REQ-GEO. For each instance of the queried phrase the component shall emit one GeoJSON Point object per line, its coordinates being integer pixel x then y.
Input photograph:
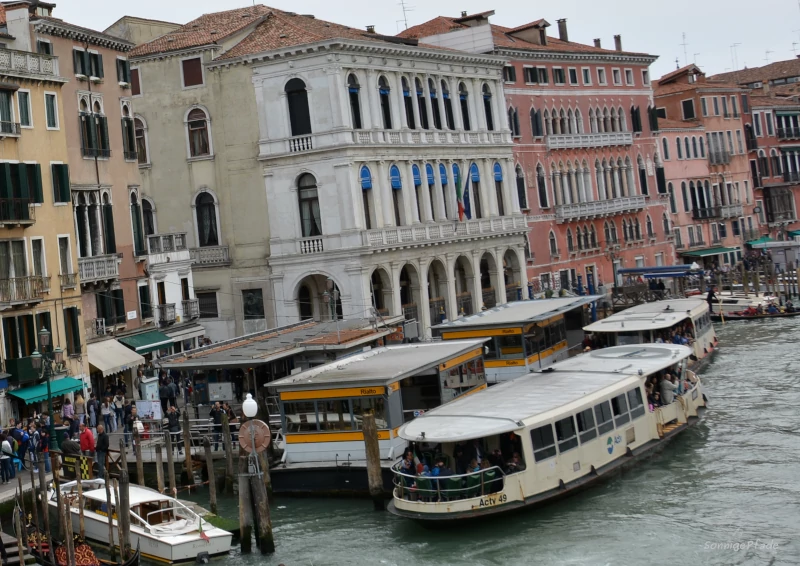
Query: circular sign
{"type": "Point", "coordinates": [254, 434]}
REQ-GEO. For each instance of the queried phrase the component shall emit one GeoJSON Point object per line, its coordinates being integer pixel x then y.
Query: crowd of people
{"type": "Point", "coordinates": [663, 387]}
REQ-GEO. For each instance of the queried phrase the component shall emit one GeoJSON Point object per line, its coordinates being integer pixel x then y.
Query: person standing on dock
{"type": "Point", "coordinates": [87, 440]}
{"type": "Point", "coordinates": [711, 298]}
{"type": "Point", "coordinates": [163, 394]}
{"type": "Point", "coordinates": [216, 416]}
{"type": "Point", "coordinates": [174, 428]}
{"type": "Point", "coordinates": [101, 449]}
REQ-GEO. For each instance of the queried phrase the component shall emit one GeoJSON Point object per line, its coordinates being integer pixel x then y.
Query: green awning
{"type": "Point", "coordinates": [761, 240]}
{"type": "Point", "coordinates": [787, 112]}
{"type": "Point", "coordinates": [708, 252]}
{"type": "Point", "coordinates": [38, 393]}
{"type": "Point", "coordinates": [147, 341]}
{"type": "Point", "coordinates": [792, 233]}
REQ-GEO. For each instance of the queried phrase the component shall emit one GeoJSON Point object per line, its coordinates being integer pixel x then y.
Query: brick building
{"type": "Point", "coordinates": [587, 166]}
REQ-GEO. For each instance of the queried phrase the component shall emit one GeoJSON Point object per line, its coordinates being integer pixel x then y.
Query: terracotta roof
{"type": "Point", "coordinates": [205, 30]}
{"type": "Point", "coordinates": [659, 90]}
{"type": "Point", "coordinates": [538, 23]}
{"type": "Point", "coordinates": [676, 73]}
{"type": "Point", "coordinates": [777, 70]}
{"type": "Point", "coordinates": [664, 124]}
{"type": "Point", "coordinates": [772, 102]}
{"type": "Point", "coordinates": [436, 26]}
{"type": "Point", "coordinates": [79, 29]}
{"type": "Point", "coordinates": [2, 15]}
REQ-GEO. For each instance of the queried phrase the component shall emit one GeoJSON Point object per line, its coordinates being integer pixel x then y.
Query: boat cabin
{"type": "Point", "coordinates": [656, 322]}
{"type": "Point", "coordinates": [524, 336]}
{"type": "Point", "coordinates": [322, 408]}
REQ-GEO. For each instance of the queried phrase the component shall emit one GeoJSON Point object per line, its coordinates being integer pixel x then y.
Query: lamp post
{"type": "Point", "coordinates": [250, 410]}
{"type": "Point", "coordinates": [44, 361]}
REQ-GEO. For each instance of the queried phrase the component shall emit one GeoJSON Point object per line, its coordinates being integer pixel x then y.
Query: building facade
{"type": "Point", "coordinates": [704, 144]}
{"type": "Point", "coordinates": [586, 164]}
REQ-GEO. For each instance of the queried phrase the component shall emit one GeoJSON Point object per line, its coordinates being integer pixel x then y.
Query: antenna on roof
{"type": "Point", "coordinates": [766, 58]}
{"type": "Point", "coordinates": [406, 8]}
{"type": "Point", "coordinates": [685, 52]}
{"type": "Point", "coordinates": [794, 48]}
{"type": "Point", "coordinates": [677, 63]}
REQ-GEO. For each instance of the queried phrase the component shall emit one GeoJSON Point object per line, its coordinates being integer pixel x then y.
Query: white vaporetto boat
{"type": "Point", "coordinates": [165, 529]}
{"type": "Point", "coordinates": [546, 435]}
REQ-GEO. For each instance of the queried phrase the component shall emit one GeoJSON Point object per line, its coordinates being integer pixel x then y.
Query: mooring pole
{"type": "Point", "coordinates": [187, 444]}
{"type": "Point", "coordinates": [137, 451]}
{"type": "Point", "coordinates": [70, 543]}
{"type": "Point", "coordinates": [46, 508]}
{"type": "Point", "coordinates": [266, 541]}
{"type": "Point", "coordinates": [79, 483]}
{"type": "Point", "coordinates": [373, 452]}
{"type": "Point", "coordinates": [160, 466]}
{"type": "Point", "coordinates": [170, 466]}
{"type": "Point", "coordinates": [110, 511]}
{"type": "Point", "coordinates": [245, 514]}
{"type": "Point", "coordinates": [212, 484]}
{"type": "Point", "coordinates": [124, 516]}
{"type": "Point", "coordinates": [227, 441]}
{"type": "Point", "coordinates": [22, 504]}
{"type": "Point", "coordinates": [35, 508]}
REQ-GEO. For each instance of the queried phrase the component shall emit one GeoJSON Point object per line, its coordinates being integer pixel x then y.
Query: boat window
{"type": "Point", "coordinates": [602, 413]}
{"type": "Point", "coordinates": [302, 416]}
{"type": "Point", "coordinates": [586, 425]}
{"type": "Point", "coordinates": [534, 340]}
{"type": "Point", "coordinates": [509, 347]}
{"type": "Point", "coordinates": [636, 403]}
{"type": "Point", "coordinates": [620, 406]}
{"type": "Point", "coordinates": [362, 405]}
{"type": "Point", "coordinates": [544, 444]}
{"type": "Point", "coordinates": [565, 433]}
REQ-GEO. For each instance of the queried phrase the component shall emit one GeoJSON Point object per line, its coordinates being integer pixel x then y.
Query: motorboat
{"type": "Point", "coordinates": [162, 527]}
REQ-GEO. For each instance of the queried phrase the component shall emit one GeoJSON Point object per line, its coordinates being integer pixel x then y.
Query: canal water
{"type": "Point", "coordinates": [725, 492]}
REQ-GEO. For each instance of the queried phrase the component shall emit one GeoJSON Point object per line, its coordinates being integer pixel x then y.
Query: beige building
{"type": "Point", "coordinates": [38, 259]}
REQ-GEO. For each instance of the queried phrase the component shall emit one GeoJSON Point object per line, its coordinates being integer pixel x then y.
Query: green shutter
{"type": "Point", "coordinates": [104, 133]}
{"type": "Point", "coordinates": [87, 63]}
{"type": "Point", "coordinates": [37, 183]}
{"type": "Point", "coordinates": [65, 189]}
{"type": "Point", "coordinates": [5, 180]}
{"type": "Point", "coordinates": [100, 72]}
{"type": "Point", "coordinates": [125, 140]}
{"type": "Point", "coordinates": [120, 71]}
{"type": "Point", "coordinates": [73, 329]}
{"type": "Point", "coordinates": [136, 220]}
{"type": "Point", "coordinates": [91, 120]}
{"type": "Point", "coordinates": [108, 229]}
{"type": "Point", "coordinates": [24, 193]}
{"type": "Point", "coordinates": [76, 61]}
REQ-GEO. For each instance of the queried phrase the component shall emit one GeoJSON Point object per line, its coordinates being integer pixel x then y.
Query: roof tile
{"type": "Point", "coordinates": [777, 70]}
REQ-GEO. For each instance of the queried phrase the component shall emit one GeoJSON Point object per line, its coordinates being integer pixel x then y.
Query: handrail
{"type": "Point", "coordinates": [448, 493]}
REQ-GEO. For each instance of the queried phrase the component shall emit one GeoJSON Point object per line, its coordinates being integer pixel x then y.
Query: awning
{"type": "Point", "coordinates": [657, 270]}
{"type": "Point", "coordinates": [110, 357]}
{"type": "Point", "coordinates": [39, 392]}
{"type": "Point", "coordinates": [708, 251]}
{"type": "Point", "coordinates": [147, 341]}
{"type": "Point", "coordinates": [186, 333]}
{"type": "Point", "coordinates": [792, 233]}
{"type": "Point", "coordinates": [761, 240]}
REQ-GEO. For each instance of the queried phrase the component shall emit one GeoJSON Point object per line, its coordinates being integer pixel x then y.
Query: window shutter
{"type": "Point", "coordinates": [125, 146]}
{"type": "Point", "coordinates": [22, 169]}
{"type": "Point", "coordinates": [65, 190]}
{"type": "Point", "coordinates": [76, 332]}
{"type": "Point", "coordinates": [108, 229]}
{"type": "Point", "coordinates": [91, 129]}
{"type": "Point", "coordinates": [136, 88]}
{"type": "Point", "coordinates": [5, 180]}
{"type": "Point", "coordinates": [37, 184]}
{"type": "Point", "coordinates": [87, 62]}
{"type": "Point", "coordinates": [76, 61]}
{"type": "Point", "coordinates": [104, 132]}
{"type": "Point", "coordinates": [120, 72]}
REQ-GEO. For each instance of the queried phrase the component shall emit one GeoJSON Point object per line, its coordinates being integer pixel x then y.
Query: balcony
{"type": "Point", "coordinates": [98, 268]}
{"type": "Point", "coordinates": [167, 248]}
{"type": "Point", "coordinates": [752, 144]}
{"type": "Point", "coordinates": [599, 208]}
{"type": "Point", "coordinates": [442, 232]}
{"type": "Point", "coordinates": [706, 213]}
{"type": "Point", "coordinates": [26, 64]}
{"type": "Point", "coordinates": [574, 141]}
{"type": "Point", "coordinates": [23, 289]}
{"type": "Point", "coordinates": [697, 244]}
{"type": "Point", "coordinates": [719, 157]}
{"type": "Point", "coordinates": [16, 211]}
{"type": "Point", "coordinates": [99, 327]}
{"type": "Point", "coordinates": [21, 370]}
{"type": "Point", "coordinates": [779, 216]}
{"type": "Point", "coordinates": [69, 280]}
{"type": "Point", "coordinates": [788, 133]}
{"type": "Point", "coordinates": [165, 313]}
{"type": "Point", "coordinates": [731, 211]}
{"type": "Point", "coordinates": [211, 256]}
{"type": "Point", "coordinates": [9, 129]}
{"type": "Point", "coordinates": [191, 308]}
{"type": "Point", "coordinates": [791, 177]}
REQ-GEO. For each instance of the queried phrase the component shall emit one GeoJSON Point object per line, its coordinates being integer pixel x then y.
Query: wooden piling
{"type": "Point", "coordinates": [79, 483]}
{"type": "Point", "coordinates": [55, 465]}
{"type": "Point", "coordinates": [160, 466]}
{"type": "Point", "coordinates": [111, 549]}
{"type": "Point", "coordinates": [266, 542]}
{"type": "Point", "coordinates": [46, 508]}
{"type": "Point", "coordinates": [745, 283]}
{"type": "Point", "coordinates": [263, 461]}
{"type": "Point", "coordinates": [170, 466]}
{"type": "Point", "coordinates": [227, 441]}
{"type": "Point", "coordinates": [373, 452]}
{"type": "Point", "coordinates": [34, 507]}
{"type": "Point", "coordinates": [187, 445]}
{"type": "Point", "coordinates": [212, 484]}
{"type": "Point", "coordinates": [137, 451]}
{"type": "Point", "coordinates": [245, 514]}
{"type": "Point", "coordinates": [18, 532]}
{"type": "Point", "coordinates": [118, 512]}
{"type": "Point", "coordinates": [124, 514]}
{"type": "Point", "coordinates": [22, 505]}
{"type": "Point", "coordinates": [69, 539]}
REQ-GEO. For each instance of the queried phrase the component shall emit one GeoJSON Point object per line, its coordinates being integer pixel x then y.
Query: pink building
{"type": "Point", "coordinates": [587, 165]}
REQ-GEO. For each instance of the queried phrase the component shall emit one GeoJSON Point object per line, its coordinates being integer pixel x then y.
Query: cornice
{"type": "Point", "coordinates": [63, 29]}
{"type": "Point", "coordinates": [609, 57]}
{"type": "Point", "coordinates": [170, 54]}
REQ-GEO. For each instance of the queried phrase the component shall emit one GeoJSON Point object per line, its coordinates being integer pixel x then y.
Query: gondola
{"type": "Point", "coordinates": [716, 317]}
{"type": "Point", "coordinates": [84, 555]}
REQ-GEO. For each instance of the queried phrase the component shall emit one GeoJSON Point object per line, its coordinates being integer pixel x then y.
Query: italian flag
{"type": "Point", "coordinates": [459, 198]}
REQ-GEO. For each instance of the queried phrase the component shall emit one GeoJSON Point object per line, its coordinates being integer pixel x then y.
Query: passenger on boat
{"type": "Point", "coordinates": [772, 309]}
{"type": "Point", "coordinates": [515, 464]}
{"type": "Point", "coordinates": [474, 450]}
{"type": "Point", "coordinates": [657, 400]}
{"type": "Point", "coordinates": [407, 463]}
{"type": "Point", "coordinates": [668, 387]}
{"type": "Point", "coordinates": [495, 458]}
{"type": "Point", "coordinates": [789, 306]}
{"type": "Point", "coordinates": [443, 470]}
{"type": "Point", "coordinates": [474, 466]}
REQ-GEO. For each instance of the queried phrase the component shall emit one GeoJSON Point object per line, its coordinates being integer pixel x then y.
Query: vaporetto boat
{"type": "Point", "coordinates": [572, 424]}
{"type": "Point", "coordinates": [165, 529]}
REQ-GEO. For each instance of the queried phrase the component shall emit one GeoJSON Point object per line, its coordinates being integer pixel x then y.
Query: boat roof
{"type": "Point", "coordinates": [381, 366]}
{"type": "Point", "coordinates": [650, 316]}
{"type": "Point", "coordinates": [518, 313]}
{"type": "Point", "coordinates": [137, 495]}
{"type": "Point", "coordinates": [537, 397]}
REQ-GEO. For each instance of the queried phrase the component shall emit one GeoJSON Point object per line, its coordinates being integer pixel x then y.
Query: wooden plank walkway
{"type": "Point", "coordinates": [13, 552]}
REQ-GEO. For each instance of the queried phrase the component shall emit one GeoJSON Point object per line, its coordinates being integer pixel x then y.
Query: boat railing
{"type": "Point", "coordinates": [181, 512]}
{"type": "Point", "coordinates": [434, 489]}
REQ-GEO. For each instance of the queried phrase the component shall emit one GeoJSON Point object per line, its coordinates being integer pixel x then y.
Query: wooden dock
{"type": "Point", "coordinates": [12, 551]}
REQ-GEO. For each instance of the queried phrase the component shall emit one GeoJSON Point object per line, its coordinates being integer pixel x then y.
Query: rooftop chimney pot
{"type": "Point", "coordinates": [370, 29]}
{"type": "Point", "coordinates": [562, 29]}
{"type": "Point", "coordinates": [618, 42]}
{"type": "Point", "coordinates": [463, 13]}
{"type": "Point", "coordinates": [597, 43]}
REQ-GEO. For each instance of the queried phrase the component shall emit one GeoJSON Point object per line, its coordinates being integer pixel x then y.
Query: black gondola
{"type": "Point", "coordinates": [88, 558]}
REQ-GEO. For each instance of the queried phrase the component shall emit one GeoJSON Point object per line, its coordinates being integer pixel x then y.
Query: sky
{"type": "Point", "coordinates": [712, 27]}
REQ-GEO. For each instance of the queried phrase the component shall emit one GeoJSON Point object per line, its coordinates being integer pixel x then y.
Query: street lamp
{"type": "Point", "coordinates": [250, 407]}
{"type": "Point", "coordinates": [44, 361]}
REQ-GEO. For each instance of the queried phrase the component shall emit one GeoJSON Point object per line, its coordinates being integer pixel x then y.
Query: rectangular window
{"type": "Point", "coordinates": [715, 100]}
{"type": "Point", "coordinates": [544, 443]}
{"type": "Point", "coordinates": [123, 71]}
{"type": "Point", "coordinates": [725, 107]}
{"type": "Point", "coordinates": [96, 65]}
{"type": "Point", "coordinates": [44, 47]}
{"type": "Point", "coordinates": [604, 418]}
{"type": "Point", "coordinates": [253, 304]}
{"type": "Point", "coordinates": [704, 106]}
{"type": "Point", "coordinates": [739, 141]}
{"type": "Point", "coordinates": [61, 188]}
{"type": "Point", "coordinates": [32, 176]}
{"type": "Point", "coordinates": [509, 74]}
{"type": "Point", "coordinates": [620, 407]}
{"type": "Point", "coordinates": [645, 77]}
{"type": "Point", "coordinates": [64, 259]}
{"type": "Point", "coordinates": [616, 75]}
{"type": "Point", "coordinates": [586, 429]}
{"type": "Point", "coordinates": [757, 123]}
{"type": "Point", "coordinates": [37, 253]}
{"type": "Point", "coordinates": [587, 76]}
{"type": "Point", "coordinates": [714, 233]}
{"type": "Point", "coordinates": [735, 228]}
{"type": "Point", "coordinates": [73, 331]}
{"type": "Point", "coordinates": [558, 76]}
{"type": "Point", "coordinates": [760, 207]}
{"type": "Point", "coordinates": [769, 123]}
{"type": "Point", "coordinates": [192, 72]}
{"type": "Point", "coordinates": [51, 110]}
{"type": "Point", "coordinates": [723, 230]}
{"type": "Point", "coordinates": [688, 109]}
{"type": "Point", "coordinates": [730, 141]}
{"type": "Point", "coordinates": [145, 304]}
{"type": "Point", "coordinates": [566, 435]}
{"type": "Point", "coordinates": [573, 76]}
{"type": "Point", "coordinates": [629, 77]}
{"type": "Point", "coordinates": [636, 403]}
{"type": "Point", "coordinates": [24, 103]}
{"type": "Point", "coordinates": [530, 75]}
{"type": "Point", "coordinates": [745, 104]}
{"type": "Point", "coordinates": [81, 62]}
{"type": "Point", "coordinates": [208, 304]}
{"type": "Point", "coordinates": [136, 84]}
{"type": "Point", "coordinates": [542, 76]}
{"type": "Point", "coordinates": [601, 77]}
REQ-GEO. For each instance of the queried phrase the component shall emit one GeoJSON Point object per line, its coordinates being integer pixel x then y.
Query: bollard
{"type": "Point", "coordinates": [111, 550]}
{"type": "Point", "coordinates": [245, 513]}
{"type": "Point", "coordinates": [22, 505]}
{"type": "Point", "coordinates": [46, 509]}
{"type": "Point", "coordinates": [227, 441]}
{"type": "Point", "coordinates": [265, 539]}
{"type": "Point", "coordinates": [66, 513]}
{"type": "Point", "coordinates": [137, 451]}
{"type": "Point", "coordinates": [212, 484]}
{"type": "Point", "coordinates": [160, 466]}
{"type": "Point", "coordinates": [373, 453]}
{"type": "Point", "coordinates": [187, 445]}
{"type": "Point", "coordinates": [117, 507]}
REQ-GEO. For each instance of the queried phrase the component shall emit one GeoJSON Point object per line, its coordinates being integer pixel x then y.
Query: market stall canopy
{"type": "Point", "coordinates": [147, 341]}
{"type": "Point", "coordinates": [39, 392]}
{"type": "Point", "coordinates": [707, 252]}
{"type": "Point", "coordinates": [110, 357]}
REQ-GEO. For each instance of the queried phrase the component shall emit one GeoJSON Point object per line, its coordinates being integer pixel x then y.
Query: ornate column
{"type": "Point", "coordinates": [427, 205]}
{"type": "Point", "coordinates": [99, 222]}
{"type": "Point", "coordinates": [414, 102]}
{"type": "Point", "coordinates": [87, 227]}
{"type": "Point", "coordinates": [381, 197]}
{"type": "Point", "coordinates": [443, 203]}
{"type": "Point", "coordinates": [451, 303]}
{"type": "Point", "coordinates": [399, 120]}
{"type": "Point", "coordinates": [477, 288]}
{"type": "Point", "coordinates": [488, 194]}
{"type": "Point", "coordinates": [510, 187]}
{"type": "Point", "coordinates": [397, 304]}
{"type": "Point", "coordinates": [424, 308]}
{"type": "Point", "coordinates": [440, 101]}
{"type": "Point", "coordinates": [455, 103]}
{"type": "Point", "coordinates": [337, 86]}
{"type": "Point", "coordinates": [428, 102]}
{"type": "Point", "coordinates": [476, 108]}
{"type": "Point", "coordinates": [617, 186]}
{"type": "Point", "coordinates": [370, 91]}
{"type": "Point", "coordinates": [364, 100]}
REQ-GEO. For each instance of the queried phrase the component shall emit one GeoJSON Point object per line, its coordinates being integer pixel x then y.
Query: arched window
{"type": "Point", "coordinates": [686, 145]}
{"type": "Point", "coordinates": [464, 102]}
{"type": "Point", "coordinates": [673, 208]}
{"type": "Point", "coordinates": [685, 197]}
{"type": "Point", "coordinates": [487, 107]}
{"type": "Point", "coordinates": [593, 237]}
{"type": "Point", "coordinates": [299, 116]}
{"type": "Point", "coordinates": [396, 182]}
{"type": "Point", "coordinates": [432, 193]}
{"type": "Point", "coordinates": [416, 178]}
{"type": "Point", "coordinates": [386, 106]}
{"type": "Point", "coordinates": [304, 303]}
{"type": "Point", "coordinates": [678, 147]}
{"type": "Point", "coordinates": [197, 123]}
{"type": "Point", "coordinates": [585, 238]}
{"type": "Point", "coordinates": [623, 123]}
{"type": "Point", "coordinates": [776, 163]}
{"type": "Point", "coordinates": [694, 147]}
{"type": "Point", "coordinates": [140, 131]}
{"type": "Point", "coordinates": [570, 244]}
{"type": "Point", "coordinates": [437, 115]}
{"type": "Point", "coordinates": [613, 232]}
{"type": "Point", "coordinates": [541, 185]}
{"type": "Point", "coordinates": [522, 193]}
{"type": "Point", "coordinates": [475, 192]}
{"type": "Point", "coordinates": [448, 107]}
{"type": "Point", "coordinates": [649, 227]}
{"type": "Point", "coordinates": [548, 124]}
{"type": "Point", "coordinates": [408, 103]}
{"type": "Point", "coordinates": [443, 177]}
{"type": "Point", "coordinates": [607, 233]}
{"type": "Point", "coordinates": [578, 121]}
{"type": "Point", "coordinates": [642, 175]}
{"type": "Point", "coordinates": [665, 146]}
{"type": "Point", "coordinates": [513, 122]}
{"type": "Point", "coordinates": [665, 222]}
{"type": "Point", "coordinates": [702, 148]}
{"type": "Point", "coordinates": [497, 170]}
{"type": "Point", "coordinates": [422, 105]}
{"type": "Point", "coordinates": [536, 123]}
{"type": "Point", "coordinates": [353, 89]}
{"type": "Point", "coordinates": [592, 121]}
{"type": "Point", "coordinates": [149, 217]}
{"type": "Point", "coordinates": [553, 244]}
{"type": "Point", "coordinates": [206, 211]}
{"type": "Point", "coordinates": [310, 220]}
{"type": "Point", "coordinates": [366, 193]}
{"type": "Point", "coordinates": [110, 239]}
{"type": "Point", "coordinates": [136, 223]}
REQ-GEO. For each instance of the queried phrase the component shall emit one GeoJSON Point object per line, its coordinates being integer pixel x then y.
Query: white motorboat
{"type": "Point", "coordinates": [165, 529]}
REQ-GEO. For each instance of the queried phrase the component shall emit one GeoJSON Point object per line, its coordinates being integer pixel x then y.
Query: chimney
{"type": "Point", "coordinates": [618, 42]}
{"type": "Point", "coordinates": [597, 43]}
{"type": "Point", "coordinates": [370, 29]}
{"type": "Point", "coordinates": [562, 30]}
{"type": "Point", "coordinates": [463, 13]}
